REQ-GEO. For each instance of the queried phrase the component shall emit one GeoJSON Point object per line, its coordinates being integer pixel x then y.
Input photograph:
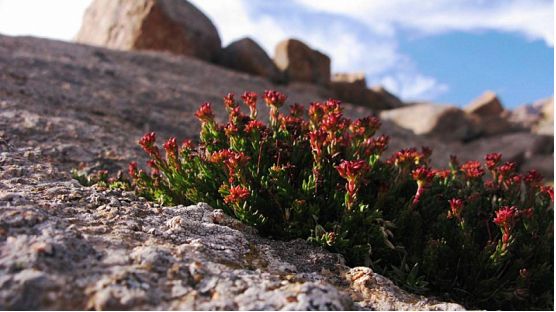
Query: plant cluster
{"type": "Point", "coordinates": [478, 233]}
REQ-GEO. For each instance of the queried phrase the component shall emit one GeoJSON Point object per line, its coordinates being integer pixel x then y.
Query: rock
{"type": "Point", "coordinates": [487, 104]}
{"type": "Point", "coordinates": [174, 26]}
{"type": "Point", "coordinates": [298, 62]}
{"type": "Point", "coordinates": [545, 125]}
{"type": "Point", "coordinates": [379, 97]}
{"type": "Point", "coordinates": [247, 56]}
{"type": "Point", "coordinates": [350, 87]}
{"type": "Point", "coordinates": [382, 295]}
{"type": "Point", "coordinates": [526, 115]}
{"type": "Point", "coordinates": [490, 125]}
{"type": "Point", "coordinates": [488, 115]}
{"type": "Point", "coordinates": [444, 122]}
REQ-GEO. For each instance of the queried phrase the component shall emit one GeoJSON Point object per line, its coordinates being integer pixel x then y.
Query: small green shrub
{"type": "Point", "coordinates": [485, 242]}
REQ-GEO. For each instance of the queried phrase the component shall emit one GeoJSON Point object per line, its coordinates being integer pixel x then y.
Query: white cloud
{"type": "Point", "coordinates": [532, 18]}
{"type": "Point", "coordinates": [57, 19]}
{"type": "Point", "coordinates": [413, 86]}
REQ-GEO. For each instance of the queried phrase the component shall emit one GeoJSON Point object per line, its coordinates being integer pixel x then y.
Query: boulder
{"type": "Point", "coordinates": [299, 62]}
{"type": "Point", "coordinates": [247, 56]}
{"type": "Point", "coordinates": [380, 98]}
{"type": "Point", "coordinates": [447, 123]}
{"type": "Point", "coordinates": [350, 87]}
{"type": "Point", "coordinates": [489, 125]}
{"type": "Point", "coordinates": [489, 117]}
{"type": "Point", "coordinates": [174, 26]}
{"type": "Point", "coordinates": [486, 104]}
{"type": "Point", "coordinates": [545, 125]}
{"type": "Point", "coordinates": [526, 115]}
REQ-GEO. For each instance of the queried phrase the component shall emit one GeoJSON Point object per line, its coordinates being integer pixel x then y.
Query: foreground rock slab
{"type": "Point", "coordinates": [65, 246]}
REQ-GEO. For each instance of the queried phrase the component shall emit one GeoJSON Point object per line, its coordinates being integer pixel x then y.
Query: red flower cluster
{"type": "Point", "coordinates": [505, 219]}
{"type": "Point", "coordinates": [250, 99]}
{"type": "Point", "coordinates": [492, 160]}
{"type": "Point", "coordinates": [472, 170]}
{"type": "Point", "coordinates": [230, 102]}
{"type": "Point", "coordinates": [352, 171]}
{"type": "Point", "coordinates": [238, 194]}
{"type": "Point", "coordinates": [456, 207]}
{"type": "Point", "coordinates": [423, 176]}
{"type": "Point", "coordinates": [147, 143]}
{"type": "Point", "coordinates": [204, 113]}
{"type": "Point", "coordinates": [406, 158]}
{"type": "Point", "coordinates": [232, 160]}
{"type": "Point", "coordinates": [274, 98]}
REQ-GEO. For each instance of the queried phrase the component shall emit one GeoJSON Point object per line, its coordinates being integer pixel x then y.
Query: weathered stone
{"type": "Point", "coordinates": [489, 125]}
{"type": "Point", "coordinates": [380, 98]}
{"type": "Point", "coordinates": [247, 56]}
{"type": "Point", "coordinates": [440, 121]}
{"type": "Point", "coordinates": [486, 104]}
{"type": "Point", "coordinates": [382, 295]}
{"type": "Point", "coordinates": [350, 87]}
{"type": "Point", "coordinates": [175, 26]}
{"type": "Point", "coordinates": [545, 125]}
{"type": "Point", "coordinates": [301, 63]}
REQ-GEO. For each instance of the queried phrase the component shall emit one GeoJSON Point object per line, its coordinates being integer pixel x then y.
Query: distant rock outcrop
{"type": "Point", "coordinates": [487, 104]}
{"type": "Point", "coordinates": [489, 116]}
{"type": "Point", "coordinates": [301, 63]}
{"type": "Point", "coordinates": [352, 88]}
{"type": "Point", "coordinates": [380, 97]}
{"type": "Point", "coordinates": [247, 56]}
{"type": "Point", "coordinates": [444, 122]}
{"type": "Point", "coordinates": [174, 26]}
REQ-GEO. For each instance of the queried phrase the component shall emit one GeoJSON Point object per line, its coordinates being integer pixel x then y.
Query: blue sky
{"type": "Point", "coordinates": [447, 51]}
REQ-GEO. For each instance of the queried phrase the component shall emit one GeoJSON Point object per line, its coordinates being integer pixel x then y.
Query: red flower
{"type": "Point", "coordinates": [492, 160]}
{"type": "Point", "coordinates": [456, 207]}
{"type": "Point", "coordinates": [186, 144]}
{"type": "Point", "coordinates": [505, 219]}
{"type": "Point", "coordinates": [377, 145]}
{"type": "Point", "coordinates": [238, 194]}
{"type": "Point", "coordinates": [229, 101]}
{"type": "Point", "coordinates": [250, 99]}
{"type": "Point", "coordinates": [472, 169]}
{"type": "Point", "coordinates": [274, 98]}
{"type": "Point", "coordinates": [407, 157]}
{"type": "Point", "coordinates": [533, 177]}
{"type": "Point", "coordinates": [132, 169]}
{"type": "Point", "coordinates": [171, 145]}
{"type": "Point", "coordinates": [505, 216]}
{"type": "Point", "coordinates": [204, 113]}
{"type": "Point", "coordinates": [549, 190]}
{"type": "Point", "coordinates": [442, 174]}
{"type": "Point", "coordinates": [317, 139]}
{"type": "Point", "coordinates": [507, 168]}
{"type": "Point", "coordinates": [254, 125]}
{"type": "Point", "coordinates": [351, 169]}
{"type": "Point", "coordinates": [297, 110]}
{"type": "Point", "coordinates": [147, 142]}
{"type": "Point", "coordinates": [423, 176]}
